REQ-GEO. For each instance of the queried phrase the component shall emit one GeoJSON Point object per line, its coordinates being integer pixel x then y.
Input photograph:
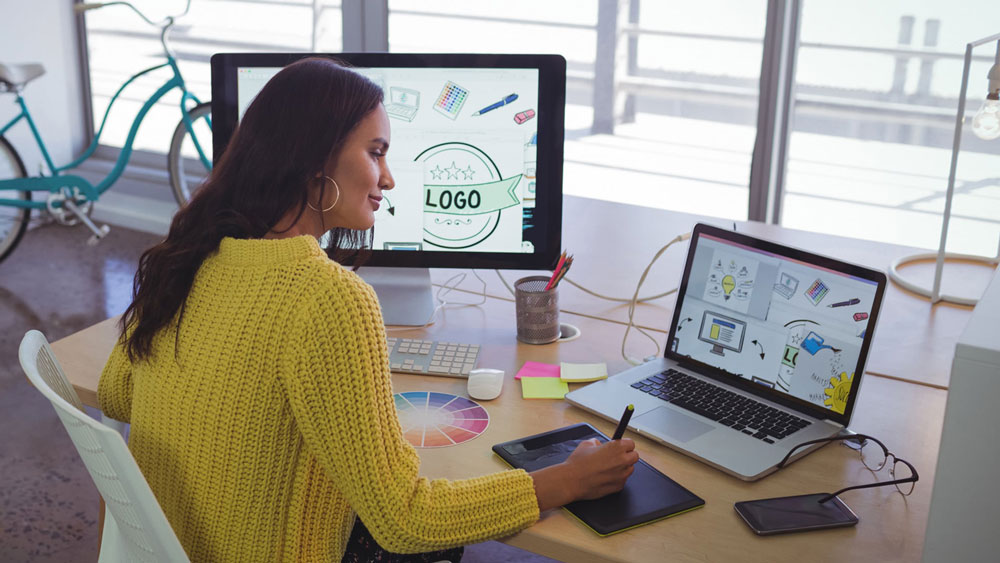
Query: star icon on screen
{"type": "Point", "coordinates": [436, 173]}
{"type": "Point", "coordinates": [452, 171]}
{"type": "Point", "coordinates": [468, 173]}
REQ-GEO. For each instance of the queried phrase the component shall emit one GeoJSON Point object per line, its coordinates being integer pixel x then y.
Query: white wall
{"type": "Point", "coordinates": [44, 31]}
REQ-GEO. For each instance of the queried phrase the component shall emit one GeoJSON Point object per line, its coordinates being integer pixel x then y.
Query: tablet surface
{"type": "Point", "coordinates": [648, 494]}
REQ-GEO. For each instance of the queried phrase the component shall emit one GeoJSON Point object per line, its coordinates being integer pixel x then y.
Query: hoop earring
{"type": "Point", "coordinates": [332, 205]}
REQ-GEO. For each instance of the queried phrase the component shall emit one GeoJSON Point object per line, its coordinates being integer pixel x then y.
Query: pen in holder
{"type": "Point", "coordinates": [537, 310]}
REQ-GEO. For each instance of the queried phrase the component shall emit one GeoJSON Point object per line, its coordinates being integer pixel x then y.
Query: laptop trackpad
{"type": "Point", "coordinates": [670, 422]}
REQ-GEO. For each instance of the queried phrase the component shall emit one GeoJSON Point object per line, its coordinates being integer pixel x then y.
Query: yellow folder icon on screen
{"type": "Point", "coordinates": [714, 335]}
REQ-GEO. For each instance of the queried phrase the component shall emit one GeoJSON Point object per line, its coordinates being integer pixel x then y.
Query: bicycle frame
{"type": "Point", "coordinates": [82, 189]}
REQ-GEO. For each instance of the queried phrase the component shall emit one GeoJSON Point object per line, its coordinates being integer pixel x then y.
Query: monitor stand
{"type": "Point", "coordinates": [717, 349]}
{"type": "Point", "coordinates": [405, 294]}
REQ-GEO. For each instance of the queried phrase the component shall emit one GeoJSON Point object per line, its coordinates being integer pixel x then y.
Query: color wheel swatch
{"type": "Point", "coordinates": [436, 420]}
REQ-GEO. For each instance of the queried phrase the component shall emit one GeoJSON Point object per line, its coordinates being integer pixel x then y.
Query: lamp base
{"type": "Point", "coordinates": [895, 276]}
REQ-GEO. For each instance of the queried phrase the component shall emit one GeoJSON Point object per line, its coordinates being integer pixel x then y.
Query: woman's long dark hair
{"type": "Point", "coordinates": [295, 125]}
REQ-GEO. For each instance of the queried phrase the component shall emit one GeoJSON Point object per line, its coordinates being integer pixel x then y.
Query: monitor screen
{"type": "Point", "coordinates": [794, 323]}
{"type": "Point", "coordinates": [476, 152]}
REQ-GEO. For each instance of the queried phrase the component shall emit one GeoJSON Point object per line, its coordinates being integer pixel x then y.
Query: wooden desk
{"type": "Point", "coordinates": [906, 417]}
{"type": "Point", "coordinates": [613, 243]}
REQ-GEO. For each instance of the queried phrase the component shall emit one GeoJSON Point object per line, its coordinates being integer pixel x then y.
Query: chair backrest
{"type": "Point", "coordinates": [145, 533]}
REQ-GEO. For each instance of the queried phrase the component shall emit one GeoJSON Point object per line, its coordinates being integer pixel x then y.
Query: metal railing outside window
{"type": "Point", "coordinates": [651, 109]}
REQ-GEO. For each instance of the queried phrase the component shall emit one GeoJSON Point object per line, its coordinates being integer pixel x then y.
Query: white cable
{"type": "Point", "coordinates": [635, 297]}
{"type": "Point", "coordinates": [618, 299]}
{"type": "Point", "coordinates": [632, 301]}
{"type": "Point", "coordinates": [505, 284]}
{"type": "Point", "coordinates": [509, 288]}
{"type": "Point", "coordinates": [594, 293]}
{"type": "Point", "coordinates": [445, 289]}
{"type": "Point", "coordinates": [442, 302]}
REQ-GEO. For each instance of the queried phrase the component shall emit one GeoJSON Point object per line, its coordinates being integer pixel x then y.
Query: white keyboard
{"type": "Point", "coordinates": [432, 357]}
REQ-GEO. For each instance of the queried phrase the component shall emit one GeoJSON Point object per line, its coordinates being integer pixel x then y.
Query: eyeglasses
{"type": "Point", "coordinates": [875, 456]}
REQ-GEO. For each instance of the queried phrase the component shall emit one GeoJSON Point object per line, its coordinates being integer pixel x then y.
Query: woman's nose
{"type": "Point", "coordinates": [388, 182]}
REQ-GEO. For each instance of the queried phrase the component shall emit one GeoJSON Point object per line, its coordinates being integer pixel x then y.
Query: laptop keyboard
{"type": "Point", "coordinates": [400, 110]}
{"type": "Point", "coordinates": [736, 411]}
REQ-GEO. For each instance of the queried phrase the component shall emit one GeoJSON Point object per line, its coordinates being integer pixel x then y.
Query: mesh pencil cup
{"type": "Point", "coordinates": [537, 310]}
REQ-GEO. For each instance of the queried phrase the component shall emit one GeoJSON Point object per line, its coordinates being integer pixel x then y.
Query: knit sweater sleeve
{"type": "Point", "coordinates": [114, 390]}
{"type": "Point", "coordinates": [337, 379]}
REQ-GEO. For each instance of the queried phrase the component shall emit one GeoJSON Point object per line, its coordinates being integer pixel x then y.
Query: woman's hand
{"type": "Point", "coordinates": [592, 471]}
{"type": "Point", "coordinates": [601, 469]}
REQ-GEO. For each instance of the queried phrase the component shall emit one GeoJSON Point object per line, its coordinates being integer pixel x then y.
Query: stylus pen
{"type": "Point", "coordinates": [501, 103]}
{"type": "Point", "coordinates": [853, 301]}
{"type": "Point", "coordinates": [623, 423]}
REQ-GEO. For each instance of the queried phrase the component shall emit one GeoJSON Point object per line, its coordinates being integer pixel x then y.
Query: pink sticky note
{"type": "Point", "coordinates": [537, 369]}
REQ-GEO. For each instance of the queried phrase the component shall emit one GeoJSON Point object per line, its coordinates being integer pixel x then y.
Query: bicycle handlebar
{"type": "Point", "coordinates": [80, 8]}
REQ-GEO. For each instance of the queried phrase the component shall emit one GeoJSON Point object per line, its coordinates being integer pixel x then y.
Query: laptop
{"type": "Point", "coordinates": [403, 103]}
{"type": "Point", "coordinates": [786, 286]}
{"type": "Point", "coordinates": [756, 363]}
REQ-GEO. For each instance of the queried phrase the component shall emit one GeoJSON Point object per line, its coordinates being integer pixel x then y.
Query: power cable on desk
{"type": "Point", "coordinates": [446, 288]}
{"type": "Point", "coordinates": [594, 293]}
{"type": "Point", "coordinates": [631, 301]}
{"type": "Point", "coordinates": [618, 299]}
{"type": "Point", "coordinates": [635, 297]}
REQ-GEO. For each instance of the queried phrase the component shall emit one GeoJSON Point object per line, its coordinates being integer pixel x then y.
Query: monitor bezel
{"type": "Point", "coordinates": [775, 395]}
{"type": "Point", "coordinates": [551, 131]}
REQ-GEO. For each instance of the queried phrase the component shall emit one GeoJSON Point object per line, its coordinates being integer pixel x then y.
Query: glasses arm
{"type": "Point", "coordinates": [912, 479]}
{"type": "Point", "coordinates": [879, 484]}
{"type": "Point", "coordinates": [853, 437]}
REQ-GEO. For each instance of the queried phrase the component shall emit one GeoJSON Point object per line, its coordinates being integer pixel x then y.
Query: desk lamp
{"type": "Point", "coordinates": [985, 125]}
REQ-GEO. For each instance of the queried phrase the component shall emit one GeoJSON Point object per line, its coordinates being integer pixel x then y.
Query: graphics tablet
{"type": "Point", "coordinates": [648, 494]}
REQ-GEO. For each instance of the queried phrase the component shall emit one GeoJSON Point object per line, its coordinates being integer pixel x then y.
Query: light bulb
{"type": "Point", "coordinates": [986, 123]}
{"type": "Point", "coordinates": [728, 283]}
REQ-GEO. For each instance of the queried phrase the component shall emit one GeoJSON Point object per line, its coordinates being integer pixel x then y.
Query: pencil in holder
{"type": "Point", "coordinates": [537, 310]}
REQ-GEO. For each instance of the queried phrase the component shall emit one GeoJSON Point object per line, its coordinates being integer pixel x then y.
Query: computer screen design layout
{"type": "Point", "coordinates": [779, 322]}
{"type": "Point", "coordinates": [476, 153]}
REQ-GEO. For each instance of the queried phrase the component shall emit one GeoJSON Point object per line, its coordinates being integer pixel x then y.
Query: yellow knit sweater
{"type": "Point", "coordinates": [274, 424]}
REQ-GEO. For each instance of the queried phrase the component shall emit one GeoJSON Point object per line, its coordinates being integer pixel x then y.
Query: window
{"type": "Point", "coordinates": [662, 96]}
{"type": "Point", "coordinates": [876, 92]}
{"type": "Point", "coordinates": [121, 44]}
{"type": "Point", "coordinates": [691, 89]}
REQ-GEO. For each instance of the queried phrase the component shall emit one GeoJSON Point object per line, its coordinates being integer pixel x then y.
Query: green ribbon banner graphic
{"type": "Point", "coordinates": [471, 199]}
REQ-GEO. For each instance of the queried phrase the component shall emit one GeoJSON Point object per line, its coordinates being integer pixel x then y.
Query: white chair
{"type": "Point", "coordinates": [135, 528]}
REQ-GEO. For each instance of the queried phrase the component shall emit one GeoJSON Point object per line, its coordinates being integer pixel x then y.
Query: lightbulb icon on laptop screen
{"type": "Point", "coordinates": [728, 283]}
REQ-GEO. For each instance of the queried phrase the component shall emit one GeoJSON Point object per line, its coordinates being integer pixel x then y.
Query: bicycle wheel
{"type": "Point", "coordinates": [187, 172]}
{"type": "Point", "coordinates": [13, 220]}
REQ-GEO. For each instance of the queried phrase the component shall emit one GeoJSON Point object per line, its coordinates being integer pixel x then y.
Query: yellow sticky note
{"type": "Point", "coordinates": [543, 388]}
{"type": "Point", "coordinates": [583, 373]}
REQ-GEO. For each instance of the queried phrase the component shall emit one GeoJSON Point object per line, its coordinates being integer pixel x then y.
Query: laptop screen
{"type": "Point", "coordinates": [792, 323]}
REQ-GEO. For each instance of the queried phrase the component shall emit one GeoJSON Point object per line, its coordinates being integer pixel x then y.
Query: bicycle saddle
{"type": "Point", "coordinates": [16, 76]}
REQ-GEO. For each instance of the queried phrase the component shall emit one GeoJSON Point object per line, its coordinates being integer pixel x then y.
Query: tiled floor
{"type": "Point", "coordinates": [55, 283]}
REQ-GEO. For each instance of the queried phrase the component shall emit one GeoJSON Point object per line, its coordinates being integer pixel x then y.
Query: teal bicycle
{"type": "Point", "coordinates": [69, 198]}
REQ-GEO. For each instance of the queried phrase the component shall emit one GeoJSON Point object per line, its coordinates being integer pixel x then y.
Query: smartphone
{"type": "Point", "coordinates": [801, 513]}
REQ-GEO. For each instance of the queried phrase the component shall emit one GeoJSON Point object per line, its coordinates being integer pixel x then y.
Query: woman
{"type": "Point", "coordinates": [254, 369]}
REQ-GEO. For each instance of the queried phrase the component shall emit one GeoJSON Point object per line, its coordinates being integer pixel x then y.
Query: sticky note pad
{"type": "Point", "coordinates": [543, 388]}
{"type": "Point", "coordinates": [537, 369]}
{"type": "Point", "coordinates": [582, 373]}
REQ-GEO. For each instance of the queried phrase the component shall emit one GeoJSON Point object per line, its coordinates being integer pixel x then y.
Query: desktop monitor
{"type": "Point", "coordinates": [476, 153]}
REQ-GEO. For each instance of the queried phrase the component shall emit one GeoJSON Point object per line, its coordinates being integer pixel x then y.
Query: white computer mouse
{"type": "Point", "coordinates": [485, 384]}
